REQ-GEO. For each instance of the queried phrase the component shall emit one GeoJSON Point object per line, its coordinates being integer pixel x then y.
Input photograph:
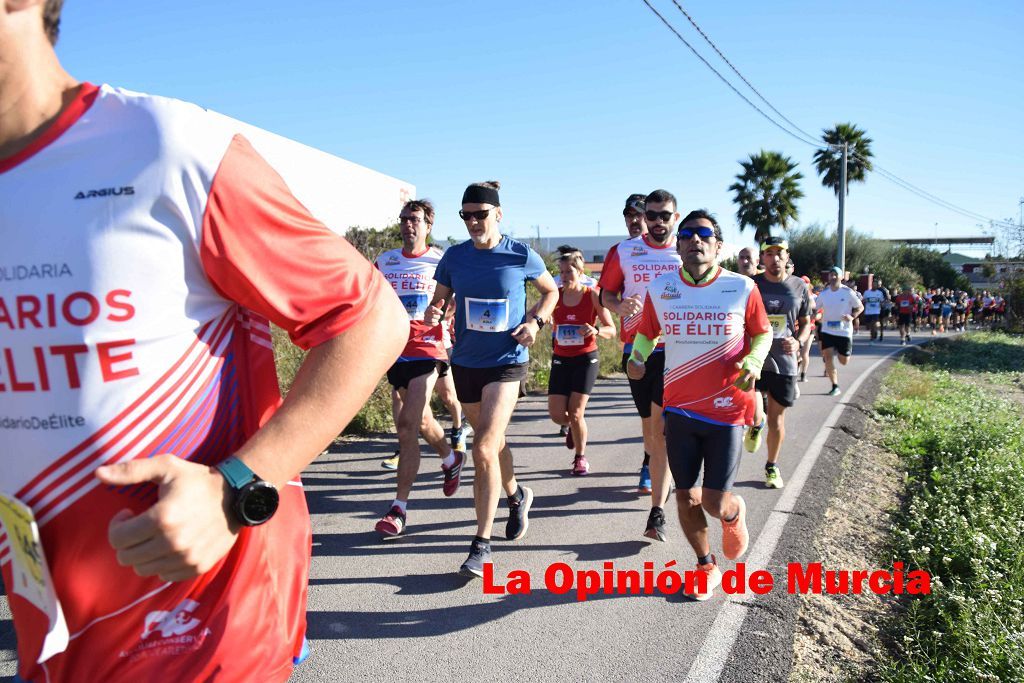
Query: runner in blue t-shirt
{"type": "Point", "coordinates": [487, 275]}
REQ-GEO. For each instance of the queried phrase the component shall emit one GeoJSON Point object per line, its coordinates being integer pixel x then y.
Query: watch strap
{"type": "Point", "coordinates": [236, 472]}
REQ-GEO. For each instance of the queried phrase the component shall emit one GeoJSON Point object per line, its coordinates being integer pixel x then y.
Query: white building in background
{"type": "Point", "coordinates": [340, 193]}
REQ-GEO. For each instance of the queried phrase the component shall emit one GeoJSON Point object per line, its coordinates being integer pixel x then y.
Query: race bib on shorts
{"type": "Point", "coordinates": [569, 335]}
{"type": "Point", "coordinates": [415, 305]}
{"type": "Point", "coordinates": [487, 315]}
{"type": "Point", "coordinates": [30, 574]}
{"type": "Point", "coordinates": [778, 323]}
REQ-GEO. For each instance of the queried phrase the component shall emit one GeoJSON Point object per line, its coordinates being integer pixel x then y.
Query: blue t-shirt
{"type": "Point", "coordinates": [490, 299]}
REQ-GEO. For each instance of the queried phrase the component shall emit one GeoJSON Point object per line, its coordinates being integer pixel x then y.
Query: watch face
{"type": "Point", "coordinates": [257, 503]}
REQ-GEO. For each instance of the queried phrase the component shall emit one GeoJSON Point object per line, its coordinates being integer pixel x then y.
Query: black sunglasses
{"type": "Point", "coordinates": [703, 232]}
{"type": "Point", "coordinates": [665, 216]}
{"type": "Point", "coordinates": [632, 212]}
{"type": "Point", "coordinates": [479, 215]}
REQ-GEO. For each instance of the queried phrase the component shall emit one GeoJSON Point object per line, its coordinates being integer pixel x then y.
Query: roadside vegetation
{"type": "Point", "coordinates": [953, 414]}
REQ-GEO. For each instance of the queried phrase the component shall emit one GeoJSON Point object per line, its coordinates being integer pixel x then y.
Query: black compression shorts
{"type": "Point", "coordinates": [651, 388]}
{"type": "Point", "coordinates": [400, 374]}
{"type": "Point", "coordinates": [573, 374]}
{"type": "Point", "coordinates": [695, 444]}
{"type": "Point", "coordinates": [782, 388]}
{"type": "Point", "coordinates": [470, 382]}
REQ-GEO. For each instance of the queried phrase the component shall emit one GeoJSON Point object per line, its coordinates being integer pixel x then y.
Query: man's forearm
{"type": "Point", "coordinates": [803, 331]}
{"type": "Point", "coordinates": [610, 300]}
{"type": "Point", "coordinates": [329, 389]}
{"type": "Point", "coordinates": [545, 306]}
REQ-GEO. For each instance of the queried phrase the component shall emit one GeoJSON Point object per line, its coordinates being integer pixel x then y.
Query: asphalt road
{"type": "Point", "coordinates": [397, 610]}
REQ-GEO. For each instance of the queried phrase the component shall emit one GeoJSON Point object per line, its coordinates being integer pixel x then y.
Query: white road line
{"type": "Point", "coordinates": [714, 652]}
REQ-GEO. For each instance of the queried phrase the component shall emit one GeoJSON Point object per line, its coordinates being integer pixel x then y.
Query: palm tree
{"type": "Point", "coordinates": [766, 193]}
{"type": "Point", "coordinates": [828, 162]}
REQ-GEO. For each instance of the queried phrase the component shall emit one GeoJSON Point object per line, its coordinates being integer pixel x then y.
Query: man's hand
{"type": "Point", "coordinates": [188, 530]}
{"type": "Point", "coordinates": [635, 367]}
{"type": "Point", "coordinates": [847, 318]}
{"type": "Point", "coordinates": [433, 315]}
{"type": "Point", "coordinates": [587, 330]}
{"type": "Point", "coordinates": [747, 378]}
{"type": "Point", "coordinates": [526, 333]}
{"type": "Point", "coordinates": [790, 345]}
{"type": "Point", "coordinates": [630, 306]}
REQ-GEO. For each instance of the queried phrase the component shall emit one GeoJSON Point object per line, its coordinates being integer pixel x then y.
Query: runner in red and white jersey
{"type": "Point", "coordinates": [716, 335]}
{"type": "Point", "coordinates": [410, 271]}
{"type": "Point", "coordinates": [906, 305]}
{"type": "Point", "coordinates": [629, 268]}
{"type": "Point", "coordinates": [158, 240]}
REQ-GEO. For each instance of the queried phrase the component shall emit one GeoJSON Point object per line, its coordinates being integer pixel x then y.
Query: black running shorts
{"type": "Point", "coordinates": [842, 345]}
{"type": "Point", "coordinates": [871, 318]}
{"type": "Point", "coordinates": [782, 388]}
{"type": "Point", "coordinates": [400, 374]}
{"type": "Point", "coordinates": [695, 444]}
{"type": "Point", "coordinates": [649, 389]}
{"type": "Point", "coordinates": [573, 374]}
{"type": "Point", "coordinates": [470, 382]}
{"type": "Point", "coordinates": [905, 319]}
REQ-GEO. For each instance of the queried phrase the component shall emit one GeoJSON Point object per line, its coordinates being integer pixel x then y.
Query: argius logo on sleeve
{"type": "Point", "coordinates": [106, 192]}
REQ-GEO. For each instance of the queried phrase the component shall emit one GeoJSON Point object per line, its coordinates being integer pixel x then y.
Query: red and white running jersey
{"type": "Point", "coordinates": [630, 267]}
{"type": "Point", "coordinates": [412, 278]}
{"type": "Point", "coordinates": [147, 242]}
{"type": "Point", "coordinates": [706, 329]}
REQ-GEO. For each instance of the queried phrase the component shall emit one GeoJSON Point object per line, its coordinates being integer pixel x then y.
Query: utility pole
{"type": "Point", "coordinates": [599, 227]}
{"type": "Point", "coordinates": [841, 231]}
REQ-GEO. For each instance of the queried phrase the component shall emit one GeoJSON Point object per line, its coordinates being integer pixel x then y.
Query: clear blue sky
{"type": "Point", "coordinates": [573, 105]}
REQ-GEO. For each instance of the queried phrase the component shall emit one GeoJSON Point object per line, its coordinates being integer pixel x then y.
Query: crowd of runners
{"type": "Point", "coordinates": [152, 478]}
{"type": "Point", "coordinates": [713, 358]}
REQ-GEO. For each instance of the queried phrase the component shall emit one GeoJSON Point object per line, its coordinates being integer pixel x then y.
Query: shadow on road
{"type": "Point", "coordinates": [444, 620]}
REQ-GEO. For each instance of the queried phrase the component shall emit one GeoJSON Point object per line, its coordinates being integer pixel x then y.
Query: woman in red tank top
{"type": "Point", "coordinates": [578, 320]}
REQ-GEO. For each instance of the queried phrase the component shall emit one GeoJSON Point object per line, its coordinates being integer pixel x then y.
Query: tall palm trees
{"type": "Point", "coordinates": [766, 193]}
{"type": "Point", "coordinates": [829, 161]}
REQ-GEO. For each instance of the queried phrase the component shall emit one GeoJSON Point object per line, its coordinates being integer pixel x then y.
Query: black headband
{"type": "Point", "coordinates": [478, 194]}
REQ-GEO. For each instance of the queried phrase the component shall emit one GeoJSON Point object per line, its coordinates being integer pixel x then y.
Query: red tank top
{"type": "Point", "coordinates": [567, 323]}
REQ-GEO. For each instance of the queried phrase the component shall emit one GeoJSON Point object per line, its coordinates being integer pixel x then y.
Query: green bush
{"type": "Point", "coordinates": [963, 516]}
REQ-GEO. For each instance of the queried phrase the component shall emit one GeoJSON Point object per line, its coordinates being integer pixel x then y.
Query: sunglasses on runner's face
{"type": "Point", "coordinates": [665, 216]}
{"type": "Point", "coordinates": [479, 215]}
{"type": "Point", "coordinates": [703, 232]}
{"type": "Point", "coordinates": [632, 213]}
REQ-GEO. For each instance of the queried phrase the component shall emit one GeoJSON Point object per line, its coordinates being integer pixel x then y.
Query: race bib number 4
{"type": "Point", "coordinates": [569, 335]}
{"type": "Point", "coordinates": [30, 574]}
{"type": "Point", "coordinates": [779, 326]}
{"type": "Point", "coordinates": [415, 305]}
{"type": "Point", "coordinates": [487, 315]}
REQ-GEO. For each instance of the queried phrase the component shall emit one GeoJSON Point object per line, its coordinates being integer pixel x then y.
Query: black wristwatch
{"type": "Point", "coordinates": [255, 501]}
{"type": "Point", "coordinates": [539, 320]}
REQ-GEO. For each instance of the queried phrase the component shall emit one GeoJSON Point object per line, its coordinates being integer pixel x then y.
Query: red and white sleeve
{"type": "Point", "coordinates": [264, 250]}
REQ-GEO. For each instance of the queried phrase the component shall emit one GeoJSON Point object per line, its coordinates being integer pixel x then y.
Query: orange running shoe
{"type": "Point", "coordinates": [734, 533]}
{"type": "Point", "coordinates": [714, 579]}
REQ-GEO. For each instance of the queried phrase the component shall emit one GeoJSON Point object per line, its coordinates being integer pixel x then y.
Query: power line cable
{"type": "Point", "coordinates": [726, 81]}
{"type": "Point", "coordinates": [888, 175]}
{"type": "Point", "coordinates": [743, 78]}
{"type": "Point", "coordinates": [924, 194]}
